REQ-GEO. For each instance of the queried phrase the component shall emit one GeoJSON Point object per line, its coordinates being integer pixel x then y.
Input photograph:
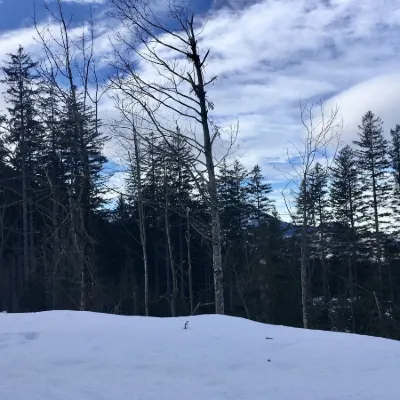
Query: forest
{"type": "Point", "coordinates": [191, 229]}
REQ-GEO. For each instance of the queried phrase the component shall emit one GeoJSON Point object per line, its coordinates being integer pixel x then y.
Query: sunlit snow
{"type": "Point", "coordinates": [85, 356]}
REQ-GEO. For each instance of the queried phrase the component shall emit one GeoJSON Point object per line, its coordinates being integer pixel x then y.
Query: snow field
{"type": "Point", "coordinates": [65, 355]}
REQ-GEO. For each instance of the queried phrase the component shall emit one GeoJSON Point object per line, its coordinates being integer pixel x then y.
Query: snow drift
{"type": "Point", "coordinates": [85, 356]}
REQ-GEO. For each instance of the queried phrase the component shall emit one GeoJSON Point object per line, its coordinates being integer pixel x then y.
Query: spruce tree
{"type": "Point", "coordinates": [234, 223]}
{"type": "Point", "coordinates": [345, 197]}
{"type": "Point", "coordinates": [83, 161]}
{"type": "Point", "coordinates": [258, 191]}
{"type": "Point", "coordinates": [395, 152]}
{"type": "Point", "coordinates": [395, 164]}
{"type": "Point", "coordinates": [320, 218]}
{"type": "Point", "coordinates": [25, 136]}
{"type": "Point", "coordinates": [373, 162]}
{"type": "Point", "coordinates": [233, 200]}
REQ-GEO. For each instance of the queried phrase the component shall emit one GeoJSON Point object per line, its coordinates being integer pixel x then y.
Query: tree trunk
{"type": "Point", "coordinates": [142, 227]}
{"type": "Point", "coordinates": [212, 184]}
{"type": "Point", "coordinates": [304, 260]}
{"type": "Point", "coordinates": [189, 261]}
{"type": "Point", "coordinates": [25, 222]}
{"type": "Point", "coordinates": [170, 255]}
{"type": "Point", "coordinates": [377, 238]}
{"type": "Point", "coordinates": [182, 275]}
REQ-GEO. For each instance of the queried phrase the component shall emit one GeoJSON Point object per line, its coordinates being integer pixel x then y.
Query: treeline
{"type": "Point", "coordinates": [191, 230]}
{"type": "Point", "coordinates": [352, 250]}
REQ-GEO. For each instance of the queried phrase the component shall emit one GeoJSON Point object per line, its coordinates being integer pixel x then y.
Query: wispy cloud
{"type": "Point", "coordinates": [270, 55]}
{"type": "Point", "coordinates": [273, 54]}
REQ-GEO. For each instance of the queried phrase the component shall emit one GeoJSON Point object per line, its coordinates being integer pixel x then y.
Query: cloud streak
{"type": "Point", "coordinates": [271, 55]}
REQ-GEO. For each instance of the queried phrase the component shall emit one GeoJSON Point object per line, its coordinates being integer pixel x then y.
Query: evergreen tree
{"type": "Point", "coordinates": [374, 164]}
{"type": "Point", "coordinates": [81, 155]}
{"type": "Point", "coordinates": [233, 200]}
{"type": "Point", "coordinates": [345, 196]}
{"type": "Point", "coordinates": [320, 217]}
{"type": "Point", "coordinates": [234, 224]}
{"type": "Point", "coordinates": [258, 191]}
{"type": "Point", "coordinates": [395, 161]}
{"type": "Point", "coordinates": [25, 136]}
{"type": "Point", "coordinates": [395, 152]}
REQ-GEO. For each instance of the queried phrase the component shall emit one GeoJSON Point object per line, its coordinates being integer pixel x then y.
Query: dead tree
{"type": "Point", "coordinates": [319, 144]}
{"type": "Point", "coordinates": [127, 131]}
{"type": "Point", "coordinates": [178, 91]}
{"type": "Point", "coordinates": [169, 246]}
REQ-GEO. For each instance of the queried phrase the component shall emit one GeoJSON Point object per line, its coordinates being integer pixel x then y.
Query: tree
{"type": "Point", "coordinates": [258, 191]}
{"type": "Point", "coordinates": [235, 218]}
{"type": "Point", "coordinates": [373, 162]}
{"type": "Point", "coordinates": [395, 164]}
{"type": "Point", "coordinates": [25, 134]}
{"type": "Point", "coordinates": [320, 143]}
{"type": "Point", "coordinates": [345, 197]}
{"type": "Point", "coordinates": [395, 152]}
{"type": "Point", "coordinates": [320, 217]}
{"type": "Point", "coordinates": [68, 66]}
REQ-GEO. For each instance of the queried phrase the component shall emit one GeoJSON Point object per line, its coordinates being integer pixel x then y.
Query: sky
{"type": "Point", "coordinates": [270, 56]}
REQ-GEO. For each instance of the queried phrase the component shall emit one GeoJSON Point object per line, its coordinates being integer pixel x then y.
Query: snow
{"type": "Point", "coordinates": [62, 355]}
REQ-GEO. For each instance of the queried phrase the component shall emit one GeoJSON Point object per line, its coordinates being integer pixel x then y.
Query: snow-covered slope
{"type": "Point", "coordinates": [85, 356]}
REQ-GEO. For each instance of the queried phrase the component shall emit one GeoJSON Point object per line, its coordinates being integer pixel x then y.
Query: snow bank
{"type": "Point", "coordinates": [85, 356]}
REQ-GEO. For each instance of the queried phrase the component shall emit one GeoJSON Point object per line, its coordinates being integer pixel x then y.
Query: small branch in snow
{"type": "Point", "coordinates": [186, 325]}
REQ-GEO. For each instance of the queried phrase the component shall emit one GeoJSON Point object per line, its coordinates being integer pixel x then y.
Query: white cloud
{"type": "Point", "coordinates": [272, 54]}
{"type": "Point", "coordinates": [380, 94]}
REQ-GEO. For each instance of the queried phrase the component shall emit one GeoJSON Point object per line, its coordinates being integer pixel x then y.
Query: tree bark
{"type": "Point", "coordinates": [304, 259]}
{"type": "Point", "coordinates": [170, 255]}
{"type": "Point", "coordinates": [189, 257]}
{"type": "Point", "coordinates": [212, 184]}
{"type": "Point", "coordinates": [142, 223]}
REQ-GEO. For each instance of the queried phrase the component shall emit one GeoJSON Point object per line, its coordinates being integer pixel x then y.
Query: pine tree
{"type": "Point", "coordinates": [395, 164]}
{"type": "Point", "coordinates": [345, 197]}
{"type": "Point", "coordinates": [395, 152]}
{"type": "Point", "coordinates": [25, 136]}
{"type": "Point", "coordinates": [258, 191]}
{"type": "Point", "coordinates": [82, 158]}
{"type": "Point", "coordinates": [233, 200]}
{"type": "Point", "coordinates": [234, 213]}
{"type": "Point", "coordinates": [374, 163]}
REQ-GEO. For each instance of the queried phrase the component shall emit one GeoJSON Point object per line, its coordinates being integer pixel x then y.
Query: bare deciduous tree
{"type": "Point", "coordinates": [320, 142]}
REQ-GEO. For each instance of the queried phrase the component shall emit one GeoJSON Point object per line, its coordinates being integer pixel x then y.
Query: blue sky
{"type": "Point", "coordinates": [269, 56]}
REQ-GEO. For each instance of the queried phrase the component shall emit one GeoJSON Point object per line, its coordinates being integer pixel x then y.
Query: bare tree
{"type": "Point", "coordinates": [319, 144]}
{"type": "Point", "coordinates": [169, 246]}
{"type": "Point", "coordinates": [178, 91]}
{"type": "Point", "coordinates": [127, 131]}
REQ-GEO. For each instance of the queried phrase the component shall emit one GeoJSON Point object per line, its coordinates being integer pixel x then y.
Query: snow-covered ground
{"type": "Point", "coordinates": [84, 356]}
